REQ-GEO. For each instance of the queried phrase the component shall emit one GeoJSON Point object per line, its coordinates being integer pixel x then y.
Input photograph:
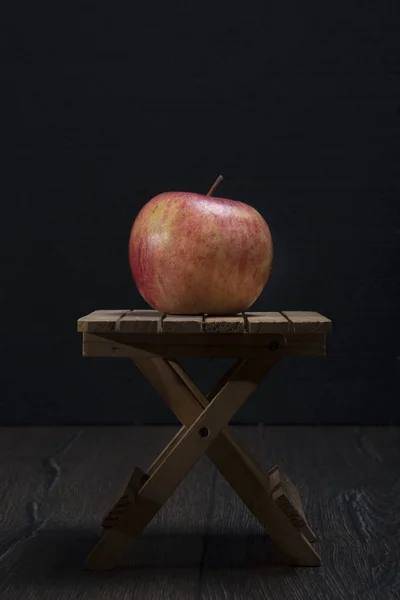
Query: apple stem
{"type": "Point", "coordinates": [215, 185]}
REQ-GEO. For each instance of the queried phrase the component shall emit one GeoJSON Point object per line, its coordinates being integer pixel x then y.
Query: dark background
{"type": "Point", "coordinates": [296, 104]}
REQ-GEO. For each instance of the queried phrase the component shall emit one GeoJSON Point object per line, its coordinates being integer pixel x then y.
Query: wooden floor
{"type": "Point", "coordinates": [56, 484]}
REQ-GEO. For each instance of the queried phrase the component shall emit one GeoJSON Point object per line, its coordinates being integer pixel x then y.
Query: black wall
{"type": "Point", "coordinates": [296, 104]}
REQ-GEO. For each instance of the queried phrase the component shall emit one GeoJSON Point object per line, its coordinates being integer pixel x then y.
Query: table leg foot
{"type": "Point", "coordinates": [296, 539]}
{"type": "Point", "coordinates": [300, 552]}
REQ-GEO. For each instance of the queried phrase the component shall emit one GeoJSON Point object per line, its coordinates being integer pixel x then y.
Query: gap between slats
{"type": "Point", "coordinates": [151, 321]}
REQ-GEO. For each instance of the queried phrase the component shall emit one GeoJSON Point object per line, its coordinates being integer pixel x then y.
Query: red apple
{"type": "Point", "coordinates": [193, 254]}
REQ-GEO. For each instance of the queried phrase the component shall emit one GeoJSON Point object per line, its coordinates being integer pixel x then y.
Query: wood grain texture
{"type": "Point", "coordinates": [306, 321]}
{"type": "Point", "coordinates": [204, 543]}
{"type": "Point", "coordinates": [141, 321]}
{"type": "Point", "coordinates": [182, 324]}
{"type": "Point", "coordinates": [266, 322]}
{"type": "Point", "coordinates": [87, 475]}
{"type": "Point", "coordinates": [99, 321]}
{"type": "Point", "coordinates": [28, 472]}
{"type": "Point", "coordinates": [224, 324]}
{"type": "Point", "coordinates": [152, 321]}
{"type": "Point", "coordinates": [350, 493]}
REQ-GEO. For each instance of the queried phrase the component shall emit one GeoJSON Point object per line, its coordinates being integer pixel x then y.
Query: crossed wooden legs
{"type": "Point", "coordinates": [272, 498]}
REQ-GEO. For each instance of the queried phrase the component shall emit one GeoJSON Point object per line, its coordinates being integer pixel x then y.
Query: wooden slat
{"type": "Point", "coordinates": [304, 321]}
{"type": "Point", "coordinates": [151, 321]}
{"type": "Point", "coordinates": [182, 324]}
{"type": "Point", "coordinates": [141, 321]}
{"type": "Point", "coordinates": [266, 322]}
{"type": "Point", "coordinates": [224, 324]}
{"type": "Point", "coordinates": [101, 320]}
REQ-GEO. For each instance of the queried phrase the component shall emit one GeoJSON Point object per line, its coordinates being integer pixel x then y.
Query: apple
{"type": "Point", "coordinates": [193, 254]}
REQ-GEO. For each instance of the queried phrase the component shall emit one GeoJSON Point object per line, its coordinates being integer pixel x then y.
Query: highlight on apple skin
{"type": "Point", "coordinates": [193, 254]}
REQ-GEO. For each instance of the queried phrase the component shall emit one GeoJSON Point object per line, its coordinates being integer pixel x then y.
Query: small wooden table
{"type": "Point", "coordinates": [258, 340]}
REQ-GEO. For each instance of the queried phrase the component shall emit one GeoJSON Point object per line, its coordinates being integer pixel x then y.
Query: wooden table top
{"type": "Point", "coordinates": [153, 322]}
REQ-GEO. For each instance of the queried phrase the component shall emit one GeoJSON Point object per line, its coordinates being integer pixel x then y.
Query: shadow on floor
{"type": "Point", "coordinates": [62, 554]}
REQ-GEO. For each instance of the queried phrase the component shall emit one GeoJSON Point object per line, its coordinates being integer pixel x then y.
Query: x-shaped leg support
{"type": "Point", "coordinates": [272, 498]}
